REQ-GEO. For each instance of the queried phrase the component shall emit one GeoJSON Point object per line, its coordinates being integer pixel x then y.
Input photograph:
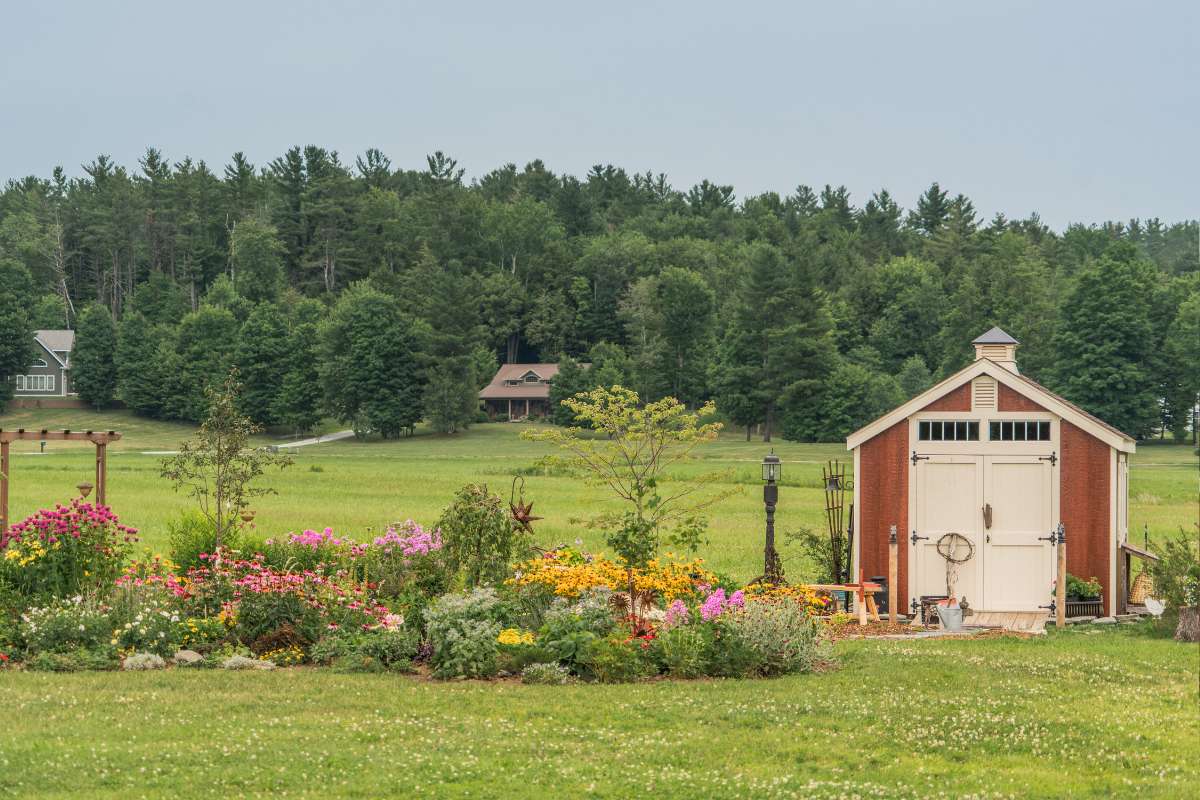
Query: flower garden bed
{"type": "Point", "coordinates": [73, 599]}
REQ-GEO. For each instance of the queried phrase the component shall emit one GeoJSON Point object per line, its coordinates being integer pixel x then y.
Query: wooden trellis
{"type": "Point", "coordinates": [98, 438]}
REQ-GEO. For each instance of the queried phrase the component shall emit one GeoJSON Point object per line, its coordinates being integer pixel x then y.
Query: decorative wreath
{"type": "Point", "coordinates": [950, 544]}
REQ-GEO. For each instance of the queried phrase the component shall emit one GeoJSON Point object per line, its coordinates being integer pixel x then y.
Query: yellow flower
{"type": "Point", "coordinates": [514, 636]}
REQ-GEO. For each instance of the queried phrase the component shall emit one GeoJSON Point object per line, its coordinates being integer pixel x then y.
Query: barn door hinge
{"type": "Point", "coordinates": [1056, 536]}
{"type": "Point", "coordinates": [1052, 607]}
{"type": "Point", "coordinates": [915, 538]}
{"type": "Point", "coordinates": [1052, 458]}
{"type": "Point", "coordinates": [916, 458]}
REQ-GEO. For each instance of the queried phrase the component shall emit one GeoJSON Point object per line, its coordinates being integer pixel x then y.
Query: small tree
{"type": "Point", "coordinates": [215, 467]}
{"type": "Point", "coordinates": [636, 446]}
{"type": "Point", "coordinates": [480, 536]}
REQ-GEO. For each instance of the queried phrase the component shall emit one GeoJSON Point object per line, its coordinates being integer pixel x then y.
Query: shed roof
{"type": "Point", "coordinates": [994, 336]}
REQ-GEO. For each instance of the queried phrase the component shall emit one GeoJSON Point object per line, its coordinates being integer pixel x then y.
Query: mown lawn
{"type": "Point", "coordinates": [1086, 713]}
{"type": "Point", "coordinates": [353, 486]}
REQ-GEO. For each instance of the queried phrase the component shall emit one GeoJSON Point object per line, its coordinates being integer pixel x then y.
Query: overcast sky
{"type": "Point", "coordinates": [1081, 111]}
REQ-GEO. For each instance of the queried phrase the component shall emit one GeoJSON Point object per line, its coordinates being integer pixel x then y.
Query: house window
{"type": "Point", "coordinates": [35, 383]}
{"type": "Point", "coordinates": [948, 430]}
{"type": "Point", "coordinates": [1019, 430]}
{"type": "Point", "coordinates": [531, 377]}
{"type": "Point", "coordinates": [41, 362]}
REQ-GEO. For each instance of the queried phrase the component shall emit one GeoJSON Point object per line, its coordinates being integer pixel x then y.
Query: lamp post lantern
{"type": "Point", "coordinates": [772, 470]}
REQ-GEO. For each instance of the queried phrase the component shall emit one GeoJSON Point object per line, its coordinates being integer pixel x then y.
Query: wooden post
{"type": "Point", "coordinates": [1060, 585]}
{"type": "Point", "coordinates": [3, 488]}
{"type": "Point", "coordinates": [893, 574]}
{"type": "Point", "coordinates": [101, 471]}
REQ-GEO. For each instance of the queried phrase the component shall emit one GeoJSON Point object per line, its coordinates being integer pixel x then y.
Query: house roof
{"type": "Point", "coordinates": [1018, 383]}
{"type": "Point", "coordinates": [61, 340]}
{"type": "Point", "coordinates": [994, 336]}
{"type": "Point", "coordinates": [55, 342]}
{"type": "Point", "coordinates": [497, 390]}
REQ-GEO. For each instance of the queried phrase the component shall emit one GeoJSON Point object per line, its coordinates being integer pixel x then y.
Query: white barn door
{"type": "Point", "coordinates": [1018, 562]}
{"type": "Point", "coordinates": [949, 492]}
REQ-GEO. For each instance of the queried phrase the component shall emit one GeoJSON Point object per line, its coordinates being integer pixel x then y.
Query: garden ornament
{"type": "Point", "coordinates": [522, 512]}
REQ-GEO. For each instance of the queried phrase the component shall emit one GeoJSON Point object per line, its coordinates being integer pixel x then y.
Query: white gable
{"type": "Point", "coordinates": [983, 366]}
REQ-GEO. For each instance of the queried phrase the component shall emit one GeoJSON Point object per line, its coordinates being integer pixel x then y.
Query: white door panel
{"type": "Point", "coordinates": [949, 491]}
{"type": "Point", "coordinates": [1018, 562]}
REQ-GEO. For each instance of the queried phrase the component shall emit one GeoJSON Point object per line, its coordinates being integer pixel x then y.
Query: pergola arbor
{"type": "Point", "coordinates": [98, 438]}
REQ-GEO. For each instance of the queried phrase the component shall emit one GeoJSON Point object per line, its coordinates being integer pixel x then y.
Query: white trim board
{"type": "Point", "coordinates": [985, 366]}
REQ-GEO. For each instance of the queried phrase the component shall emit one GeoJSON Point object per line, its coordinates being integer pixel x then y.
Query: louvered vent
{"type": "Point", "coordinates": [996, 352]}
{"type": "Point", "coordinates": [983, 393]}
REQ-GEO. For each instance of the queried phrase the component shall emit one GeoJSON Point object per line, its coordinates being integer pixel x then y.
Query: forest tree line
{"type": "Point", "coordinates": [382, 296]}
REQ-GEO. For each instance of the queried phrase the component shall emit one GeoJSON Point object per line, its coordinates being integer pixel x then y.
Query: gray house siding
{"type": "Point", "coordinates": [48, 376]}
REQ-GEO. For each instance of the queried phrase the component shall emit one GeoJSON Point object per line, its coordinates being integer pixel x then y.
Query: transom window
{"type": "Point", "coordinates": [1019, 430]}
{"type": "Point", "coordinates": [936, 430]}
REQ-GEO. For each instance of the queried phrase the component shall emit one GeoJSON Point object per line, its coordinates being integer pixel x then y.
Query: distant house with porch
{"type": "Point", "coordinates": [519, 391]}
{"type": "Point", "coordinates": [49, 376]}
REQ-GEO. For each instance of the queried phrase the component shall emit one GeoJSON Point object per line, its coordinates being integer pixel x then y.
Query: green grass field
{"type": "Point", "coordinates": [1087, 713]}
{"type": "Point", "coordinates": [352, 486]}
{"type": "Point", "coordinates": [1096, 712]}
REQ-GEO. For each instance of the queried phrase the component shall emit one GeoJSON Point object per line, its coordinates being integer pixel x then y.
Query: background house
{"type": "Point", "coordinates": [996, 457]}
{"type": "Point", "coordinates": [519, 391]}
{"type": "Point", "coordinates": [49, 376]}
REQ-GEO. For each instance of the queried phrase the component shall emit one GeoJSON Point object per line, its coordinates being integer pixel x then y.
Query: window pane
{"type": "Point", "coordinates": [1018, 431]}
{"type": "Point", "coordinates": [1006, 433]}
{"type": "Point", "coordinates": [923, 431]}
{"type": "Point", "coordinates": [935, 431]}
{"type": "Point", "coordinates": [994, 431]}
{"type": "Point", "coordinates": [960, 431]}
{"type": "Point", "coordinates": [973, 431]}
{"type": "Point", "coordinates": [1044, 431]}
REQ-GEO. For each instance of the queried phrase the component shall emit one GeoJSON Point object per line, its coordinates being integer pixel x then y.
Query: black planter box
{"type": "Point", "coordinates": [1085, 608]}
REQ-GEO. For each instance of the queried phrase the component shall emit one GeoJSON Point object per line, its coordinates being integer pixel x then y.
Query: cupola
{"type": "Point", "coordinates": [998, 346]}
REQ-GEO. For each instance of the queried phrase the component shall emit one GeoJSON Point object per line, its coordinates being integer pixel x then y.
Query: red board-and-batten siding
{"type": "Point", "coordinates": [1084, 492]}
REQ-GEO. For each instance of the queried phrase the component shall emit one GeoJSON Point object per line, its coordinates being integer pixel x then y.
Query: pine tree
{"type": "Point", "coordinates": [255, 257]}
{"type": "Point", "coordinates": [204, 347]}
{"type": "Point", "coordinates": [16, 344]}
{"type": "Point", "coordinates": [260, 356]}
{"type": "Point", "coordinates": [139, 372]}
{"type": "Point", "coordinates": [298, 403]}
{"type": "Point", "coordinates": [914, 377]}
{"type": "Point", "coordinates": [93, 360]}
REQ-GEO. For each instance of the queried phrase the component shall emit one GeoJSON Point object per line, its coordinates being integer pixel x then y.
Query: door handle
{"type": "Point", "coordinates": [987, 515]}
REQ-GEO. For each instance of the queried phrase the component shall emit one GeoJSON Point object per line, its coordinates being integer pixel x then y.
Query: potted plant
{"type": "Point", "coordinates": [1084, 597]}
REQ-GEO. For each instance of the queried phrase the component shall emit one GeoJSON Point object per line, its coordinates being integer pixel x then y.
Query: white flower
{"type": "Point", "coordinates": [82, 628]}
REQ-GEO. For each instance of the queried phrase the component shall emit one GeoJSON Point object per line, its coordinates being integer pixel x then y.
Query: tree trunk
{"type": "Point", "coordinates": [1188, 629]}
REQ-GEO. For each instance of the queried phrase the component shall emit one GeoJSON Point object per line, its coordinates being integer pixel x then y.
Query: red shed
{"type": "Point", "coordinates": [1000, 459]}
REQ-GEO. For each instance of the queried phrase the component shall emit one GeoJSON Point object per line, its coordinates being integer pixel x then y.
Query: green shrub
{"type": "Point", "coordinates": [548, 674]}
{"type": "Point", "coordinates": [78, 660]}
{"type": "Point", "coordinates": [479, 536]}
{"type": "Point", "coordinates": [782, 636]}
{"type": "Point", "coordinates": [65, 625]}
{"type": "Point", "coordinates": [367, 651]}
{"type": "Point", "coordinates": [1081, 589]}
{"type": "Point", "coordinates": [190, 534]}
{"type": "Point", "coordinates": [1176, 574]}
{"type": "Point", "coordinates": [616, 659]}
{"type": "Point", "coordinates": [144, 618]}
{"type": "Point", "coordinates": [682, 651]}
{"type": "Point", "coordinates": [570, 628]}
{"type": "Point", "coordinates": [462, 630]}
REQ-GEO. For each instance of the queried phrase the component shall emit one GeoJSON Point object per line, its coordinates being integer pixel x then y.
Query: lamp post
{"type": "Point", "coordinates": [772, 470]}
